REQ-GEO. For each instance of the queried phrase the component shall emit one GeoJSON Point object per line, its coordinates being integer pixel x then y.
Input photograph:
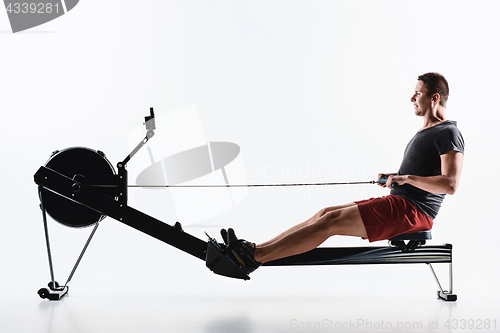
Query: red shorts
{"type": "Point", "coordinates": [390, 216]}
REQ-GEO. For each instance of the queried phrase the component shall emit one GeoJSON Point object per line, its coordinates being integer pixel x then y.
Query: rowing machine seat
{"type": "Point", "coordinates": [414, 239]}
{"type": "Point", "coordinates": [421, 235]}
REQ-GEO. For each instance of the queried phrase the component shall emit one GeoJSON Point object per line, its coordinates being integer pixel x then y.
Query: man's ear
{"type": "Point", "coordinates": [436, 98]}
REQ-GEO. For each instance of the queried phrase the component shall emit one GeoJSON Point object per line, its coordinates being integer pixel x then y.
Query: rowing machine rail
{"type": "Point", "coordinates": [78, 187]}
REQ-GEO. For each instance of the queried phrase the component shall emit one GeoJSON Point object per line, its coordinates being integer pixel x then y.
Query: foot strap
{"type": "Point", "coordinates": [220, 263]}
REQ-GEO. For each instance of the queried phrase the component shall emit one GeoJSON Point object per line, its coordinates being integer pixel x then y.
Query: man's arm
{"type": "Point", "coordinates": [446, 183]}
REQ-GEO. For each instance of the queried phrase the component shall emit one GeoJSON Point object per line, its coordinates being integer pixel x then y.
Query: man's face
{"type": "Point", "coordinates": [421, 100]}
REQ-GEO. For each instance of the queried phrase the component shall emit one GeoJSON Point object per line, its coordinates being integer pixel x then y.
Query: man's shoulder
{"type": "Point", "coordinates": [448, 126]}
{"type": "Point", "coordinates": [449, 138]}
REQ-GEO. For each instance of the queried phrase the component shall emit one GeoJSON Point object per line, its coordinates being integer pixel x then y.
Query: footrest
{"type": "Point", "coordinates": [53, 293]}
{"type": "Point", "coordinates": [219, 263]}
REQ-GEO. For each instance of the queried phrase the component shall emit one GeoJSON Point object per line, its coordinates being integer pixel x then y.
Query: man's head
{"type": "Point", "coordinates": [436, 84]}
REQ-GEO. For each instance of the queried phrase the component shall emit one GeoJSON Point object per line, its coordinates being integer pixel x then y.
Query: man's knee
{"type": "Point", "coordinates": [330, 219]}
{"type": "Point", "coordinates": [329, 210]}
{"type": "Point", "coordinates": [322, 212]}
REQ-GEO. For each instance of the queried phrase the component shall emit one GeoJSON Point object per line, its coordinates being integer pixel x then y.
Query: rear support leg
{"type": "Point", "coordinates": [54, 291]}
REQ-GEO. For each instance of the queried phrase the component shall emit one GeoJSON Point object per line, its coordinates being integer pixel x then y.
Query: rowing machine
{"type": "Point", "coordinates": [78, 187]}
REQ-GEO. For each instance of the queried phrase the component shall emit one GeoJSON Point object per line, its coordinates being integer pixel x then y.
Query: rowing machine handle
{"type": "Point", "coordinates": [383, 180]}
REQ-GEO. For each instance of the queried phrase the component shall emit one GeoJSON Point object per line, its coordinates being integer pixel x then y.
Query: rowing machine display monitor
{"type": "Point", "coordinates": [78, 187]}
{"type": "Point", "coordinates": [150, 120]}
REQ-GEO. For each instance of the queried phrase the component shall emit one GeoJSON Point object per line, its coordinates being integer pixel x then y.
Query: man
{"type": "Point", "coordinates": [431, 168]}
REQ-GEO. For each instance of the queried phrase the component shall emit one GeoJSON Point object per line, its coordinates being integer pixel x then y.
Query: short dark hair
{"type": "Point", "coordinates": [436, 83]}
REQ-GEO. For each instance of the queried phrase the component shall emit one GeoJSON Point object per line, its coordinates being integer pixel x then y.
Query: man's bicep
{"type": "Point", "coordinates": [451, 164]}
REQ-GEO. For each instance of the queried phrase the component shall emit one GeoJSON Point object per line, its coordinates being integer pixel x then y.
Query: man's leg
{"type": "Point", "coordinates": [313, 219]}
{"type": "Point", "coordinates": [312, 233]}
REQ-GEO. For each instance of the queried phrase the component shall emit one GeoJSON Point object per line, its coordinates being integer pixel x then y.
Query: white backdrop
{"type": "Point", "coordinates": [311, 92]}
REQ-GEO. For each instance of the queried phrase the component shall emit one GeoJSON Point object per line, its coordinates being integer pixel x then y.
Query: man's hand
{"type": "Point", "coordinates": [389, 177]}
{"type": "Point", "coordinates": [399, 180]}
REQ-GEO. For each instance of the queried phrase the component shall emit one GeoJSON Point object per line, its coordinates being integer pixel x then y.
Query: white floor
{"type": "Point", "coordinates": [348, 312]}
